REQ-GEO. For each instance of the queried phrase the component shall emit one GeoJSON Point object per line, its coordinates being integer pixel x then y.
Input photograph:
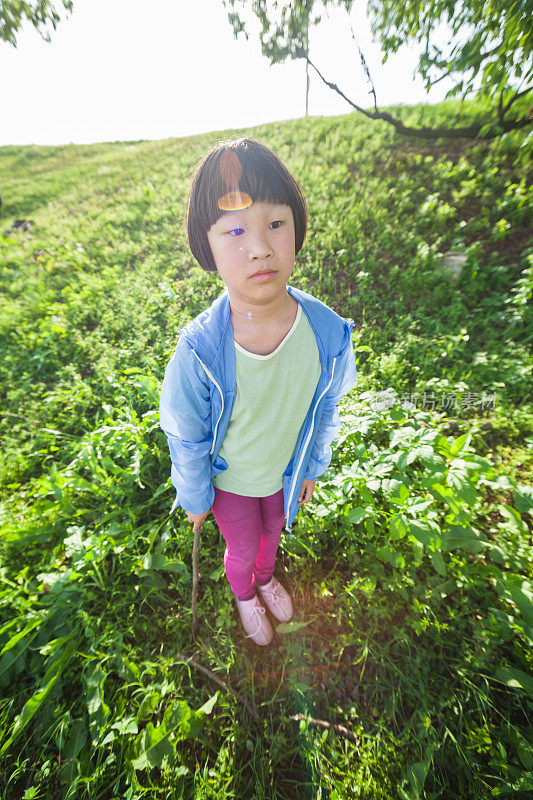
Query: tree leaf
{"type": "Point", "coordinates": [290, 627]}
{"type": "Point", "coordinates": [516, 678]}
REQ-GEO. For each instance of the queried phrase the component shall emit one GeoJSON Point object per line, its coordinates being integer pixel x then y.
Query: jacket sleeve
{"type": "Point", "coordinates": [344, 376]}
{"type": "Point", "coordinates": [185, 417]}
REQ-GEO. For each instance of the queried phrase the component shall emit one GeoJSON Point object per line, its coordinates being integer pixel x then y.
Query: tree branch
{"type": "Point", "coordinates": [515, 97]}
{"type": "Point", "coordinates": [471, 131]}
{"type": "Point", "coordinates": [500, 104]}
{"type": "Point", "coordinates": [192, 661]}
{"type": "Point", "coordinates": [322, 723]}
{"type": "Point", "coordinates": [365, 67]}
{"type": "Point", "coordinates": [446, 75]}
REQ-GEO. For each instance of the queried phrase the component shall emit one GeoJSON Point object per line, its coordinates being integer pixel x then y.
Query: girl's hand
{"type": "Point", "coordinates": [197, 519]}
{"type": "Point", "coordinates": [306, 491]}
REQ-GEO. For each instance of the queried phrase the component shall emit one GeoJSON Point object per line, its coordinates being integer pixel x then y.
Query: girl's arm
{"type": "Point", "coordinates": [344, 377]}
{"type": "Point", "coordinates": [185, 416]}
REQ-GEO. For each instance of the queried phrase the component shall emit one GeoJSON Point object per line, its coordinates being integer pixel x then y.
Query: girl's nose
{"type": "Point", "coordinates": [259, 248]}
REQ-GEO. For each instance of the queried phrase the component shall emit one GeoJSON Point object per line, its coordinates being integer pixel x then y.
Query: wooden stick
{"type": "Point", "coordinates": [195, 550]}
{"type": "Point", "coordinates": [322, 723]}
{"type": "Point", "coordinates": [242, 700]}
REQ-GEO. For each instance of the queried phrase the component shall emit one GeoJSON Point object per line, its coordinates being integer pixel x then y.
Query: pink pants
{"type": "Point", "coordinates": [252, 528]}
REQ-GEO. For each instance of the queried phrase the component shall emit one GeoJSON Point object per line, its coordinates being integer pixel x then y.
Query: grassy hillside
{"type": "Point", "coordinates": [410, 569]}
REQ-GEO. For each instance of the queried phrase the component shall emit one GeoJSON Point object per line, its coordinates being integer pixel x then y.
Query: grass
{"type": "Point", "coordinates": [410, 569]}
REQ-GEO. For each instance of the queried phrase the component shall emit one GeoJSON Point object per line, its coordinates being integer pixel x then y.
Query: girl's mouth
{"type": "Point", "coordinates": [262, 276]}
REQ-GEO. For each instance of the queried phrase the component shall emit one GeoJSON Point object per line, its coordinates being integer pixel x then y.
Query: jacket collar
{"type": "Point", "coordinates": [208, 333]}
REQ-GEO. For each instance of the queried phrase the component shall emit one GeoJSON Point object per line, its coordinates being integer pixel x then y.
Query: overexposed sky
{"type": "Point", "coordinates": [120, 70]}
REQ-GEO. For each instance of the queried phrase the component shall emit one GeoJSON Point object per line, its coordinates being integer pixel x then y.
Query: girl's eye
{"type": "Point", "coordinates": [276, 221]}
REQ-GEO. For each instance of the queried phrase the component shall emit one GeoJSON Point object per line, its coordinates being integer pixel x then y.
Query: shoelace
{"type": "Point", "coordinates": [260, 610]}
{"type": "Point", "coordinates": [272, 593]}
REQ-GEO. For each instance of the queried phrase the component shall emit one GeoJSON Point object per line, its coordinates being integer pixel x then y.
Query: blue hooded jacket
{"type": "Point", "coordinates": [199, 390]}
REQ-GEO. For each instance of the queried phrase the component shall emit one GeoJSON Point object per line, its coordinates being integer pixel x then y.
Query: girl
{"type": "Point", "coordinates": [249, 398]}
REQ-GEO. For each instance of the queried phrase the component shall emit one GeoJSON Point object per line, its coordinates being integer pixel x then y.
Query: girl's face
{"type": "Point", "coordinates": [260, 237]}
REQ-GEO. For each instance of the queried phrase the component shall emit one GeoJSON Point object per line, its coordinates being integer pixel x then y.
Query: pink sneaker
{"type": "Point", "coordinates": [254, 621]}
{"type": "Point", "coordinates": [277, 599]}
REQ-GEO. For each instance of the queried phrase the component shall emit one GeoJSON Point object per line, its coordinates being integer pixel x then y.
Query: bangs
{"type": "Point", "coordinates": [258, 181]}
{"type": "Point", "coordinates": [256, 171]}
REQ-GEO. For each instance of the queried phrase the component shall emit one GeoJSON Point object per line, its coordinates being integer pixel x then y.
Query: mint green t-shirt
{"type": "Point", "coordinates": [273, 396]}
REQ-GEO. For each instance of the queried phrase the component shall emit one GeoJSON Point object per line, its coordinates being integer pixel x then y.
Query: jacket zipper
{"type": "Point", "coordinates": [287, 527]}
{"type": "Point", "coordinates": [307, 442]}
{"type": "Point", "coordinates": [221, 397]}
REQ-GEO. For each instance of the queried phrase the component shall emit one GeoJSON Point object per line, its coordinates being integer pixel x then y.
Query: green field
{"type": "Point", "coordinates": [410, 569]}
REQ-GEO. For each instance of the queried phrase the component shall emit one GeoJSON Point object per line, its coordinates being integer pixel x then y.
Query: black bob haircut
{"type": "Point", "coordinates": [262, 175]}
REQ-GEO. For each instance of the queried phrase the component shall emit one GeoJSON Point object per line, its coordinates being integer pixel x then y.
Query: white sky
{"type": "Point", "coordinates": [120, 70]}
